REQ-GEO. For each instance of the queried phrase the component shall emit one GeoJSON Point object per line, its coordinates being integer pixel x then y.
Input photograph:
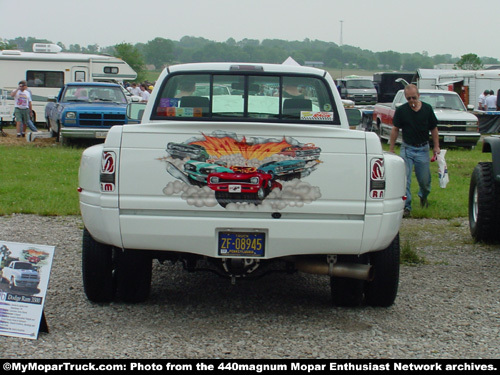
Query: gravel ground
{"type": "Point", "coordinates": [447, 307]}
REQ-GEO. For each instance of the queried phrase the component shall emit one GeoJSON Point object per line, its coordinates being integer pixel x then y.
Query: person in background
{"type": "Point", "coordinates": [490, 102]}
{"type": "Point", "coordinates": [22, 109]}
{"type": "Point", "coordinates": [415, 118]}
{"type": "Point", "coordinates": [480, 105]}
{"type": "Point", "coordinates": [30, 122]}
{"type": "Point", "coordinates": [144, 92]}
{"type": "Point", "coordinates": [135, 90]}
{"type": "Point", "coordinates": [186, 88]}
{"type": "Point", "coordinates": [82, 94]}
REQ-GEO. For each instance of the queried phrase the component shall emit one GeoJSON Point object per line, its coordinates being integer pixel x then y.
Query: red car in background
{"type": "Point", "coordinates": [243, 184]}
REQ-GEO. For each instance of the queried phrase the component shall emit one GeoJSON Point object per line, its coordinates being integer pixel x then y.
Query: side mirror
{"type": "Point", "coordinates": [52, 99]}
{"type": "Point", "coordinates": [353, 116]}
{"type": "Point", "coordinates": [470, 107]}
{"type": "Point", "coordinates": [135, 112]}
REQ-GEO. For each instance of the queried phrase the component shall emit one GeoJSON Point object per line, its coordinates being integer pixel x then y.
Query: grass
{"type": "Point", "coordinates": [452, 201]}
{"type": "Point", "coordinates": [151, 75]}
{"type": "Point", "coordinates": [39, 180]}
{"type": "Point", "coordinates": [409, 256]}
{"type": "Point", "coordinates": [43, 181]}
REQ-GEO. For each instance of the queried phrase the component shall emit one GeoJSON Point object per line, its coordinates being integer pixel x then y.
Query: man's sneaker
{"type": "Point", "coordinates": [423, 202]}
{"type": "Point", "coordinates": [406, 213]}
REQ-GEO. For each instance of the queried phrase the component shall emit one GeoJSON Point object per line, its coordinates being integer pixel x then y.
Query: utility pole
{"type": "Point", "coordinates": [341, 54]}
{"type": "Point", "coordinates": [341, 27]}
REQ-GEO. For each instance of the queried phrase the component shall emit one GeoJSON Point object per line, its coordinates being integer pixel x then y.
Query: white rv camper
{"type": "Point", "coordinates": [47, 69]}
{"type": "Point", "coordinates": [469, 84]}
{"type": "Point", "coordinates": [428, 78]}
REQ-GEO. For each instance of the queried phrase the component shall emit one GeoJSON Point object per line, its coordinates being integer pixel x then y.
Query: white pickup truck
{"type": "Point", "coordinates": [21, 275]}
{"type": "Point", "coordinates": [266, 176]}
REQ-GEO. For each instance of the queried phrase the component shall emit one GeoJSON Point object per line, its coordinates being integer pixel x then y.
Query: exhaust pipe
{"type": "Point", "coordinates": [348, 270]}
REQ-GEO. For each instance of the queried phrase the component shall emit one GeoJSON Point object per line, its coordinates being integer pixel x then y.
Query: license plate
{"type": "Point", "coordinates": [101, 134]}
{"type": "Point", "coordinates": [234, 188]}
{"type": "Point", "coordinates": [245, 244]}
{"type": "Point", "coordinates": [449, 138]}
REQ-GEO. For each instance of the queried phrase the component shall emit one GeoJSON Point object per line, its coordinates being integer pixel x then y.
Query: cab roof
{"type": "Point", "coordinates": [246, 67]}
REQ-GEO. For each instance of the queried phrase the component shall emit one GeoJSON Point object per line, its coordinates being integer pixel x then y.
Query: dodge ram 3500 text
{"type": "Point", "coordinates": [264, 176]}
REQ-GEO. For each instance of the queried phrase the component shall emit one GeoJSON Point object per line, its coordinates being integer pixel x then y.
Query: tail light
{"type": "Point", "coordinates": [108, 171]}
{"type": "Point", "coordinates": [377, 179]}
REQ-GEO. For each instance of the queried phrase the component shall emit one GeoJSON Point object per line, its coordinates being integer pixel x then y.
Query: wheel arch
{"type": "Point", "coordinates": [492, 145]}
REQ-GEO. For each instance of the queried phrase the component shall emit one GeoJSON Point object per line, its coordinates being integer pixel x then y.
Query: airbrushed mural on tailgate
{"type": "Point", "coordinates": [237, 172]}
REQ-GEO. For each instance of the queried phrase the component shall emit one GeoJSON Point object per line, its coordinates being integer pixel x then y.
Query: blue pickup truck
{"type": "Point", "coordinates": [86, 110]}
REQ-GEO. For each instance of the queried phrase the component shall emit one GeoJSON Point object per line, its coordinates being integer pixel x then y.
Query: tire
{"type": "Point", "coordinates": [483, 204]}
{"type": "Point", "coordinates": [57, 133]}
{"type": "Point", "coordinates": [97, 269]}
{"type": "Point", "coordinates": [261, 194]}
{"type": "Point", "coordinates": [347, 292]}
{"type": "Point", "coordinates": [382, 290]}
{"type": "Point", "coordinates": [133, 276]}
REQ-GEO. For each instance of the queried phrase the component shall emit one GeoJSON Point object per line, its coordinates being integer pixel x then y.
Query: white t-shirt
{"type": "Point", "coordinates": [491, 102]}
{"type": "Point", "coordinates": [145, 95]}
{"type": "Point", "coordinates": [481, 99]}
{"type": "Point", "coordinates": [136, 91]}
{"type": "Point", "coordinates": [22, 99]}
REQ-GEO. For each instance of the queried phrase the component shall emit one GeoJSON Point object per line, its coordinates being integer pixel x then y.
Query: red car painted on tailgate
{"type": "Point", "coordinates": [244, 184]}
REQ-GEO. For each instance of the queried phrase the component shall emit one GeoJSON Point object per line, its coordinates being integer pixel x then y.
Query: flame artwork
{"type": "Point", "coordinates": [242, 172]}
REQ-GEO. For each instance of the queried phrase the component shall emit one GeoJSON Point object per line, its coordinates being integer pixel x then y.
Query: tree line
{"type": "Point", "coordinates": [159, 52]}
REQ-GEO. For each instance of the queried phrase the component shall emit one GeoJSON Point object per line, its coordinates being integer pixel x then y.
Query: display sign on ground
{"type": "Point", "coordinates": [25, 271]}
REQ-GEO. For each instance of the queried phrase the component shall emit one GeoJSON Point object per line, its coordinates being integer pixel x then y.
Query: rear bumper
{"type": "Point", "coordinates": [287, 236]}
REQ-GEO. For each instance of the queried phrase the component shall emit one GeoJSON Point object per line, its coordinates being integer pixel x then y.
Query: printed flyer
{"type": "Point", "coordinates": [25, 271]}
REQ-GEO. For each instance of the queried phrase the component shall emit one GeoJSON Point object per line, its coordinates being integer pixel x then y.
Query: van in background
{"type": "Point", "coordinates": [360, 90]}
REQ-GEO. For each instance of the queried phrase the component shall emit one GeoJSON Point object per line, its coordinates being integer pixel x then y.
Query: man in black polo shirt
{"type": "Point", "coordinates": [415, 118]}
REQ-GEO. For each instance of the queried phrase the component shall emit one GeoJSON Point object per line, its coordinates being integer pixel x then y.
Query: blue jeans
{"type": "Point", "coordinates": [31, 125]}
{"type": "Point", "coordinates": [418, 158]}
{"type": "Point", "coordinates": [23, 116]}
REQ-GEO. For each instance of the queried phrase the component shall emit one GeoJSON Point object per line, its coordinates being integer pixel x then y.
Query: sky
{"type": "Point", "coordinates": [455, 27]}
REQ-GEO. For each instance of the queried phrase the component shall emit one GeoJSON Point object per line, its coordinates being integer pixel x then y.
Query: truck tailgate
{"type": "Point", "coordinates": [308, 176]}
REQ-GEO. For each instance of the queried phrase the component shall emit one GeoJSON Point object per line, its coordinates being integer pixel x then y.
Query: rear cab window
{"type": "Point", "coordinates": [246, 96]}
